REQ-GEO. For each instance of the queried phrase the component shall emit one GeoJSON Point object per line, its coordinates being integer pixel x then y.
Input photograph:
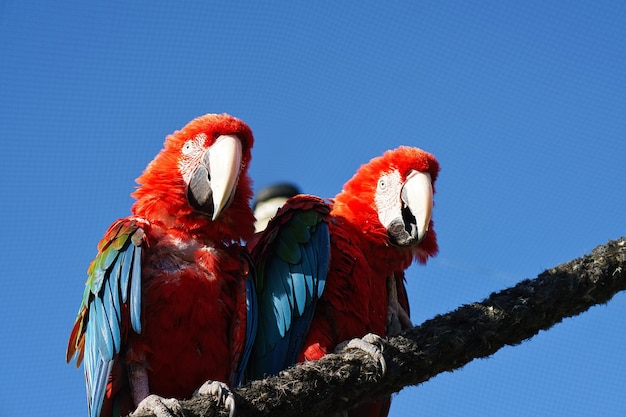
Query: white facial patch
{"type": "Point", "coordinates": [387, 199]}
{"type": "Point", "coordinates": [191, 155]}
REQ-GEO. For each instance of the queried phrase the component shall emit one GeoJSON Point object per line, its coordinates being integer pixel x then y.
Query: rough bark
{"type": "Point", "coordinates": [444, 343]}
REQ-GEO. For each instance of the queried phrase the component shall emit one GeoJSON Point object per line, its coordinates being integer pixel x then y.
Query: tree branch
{"type": "Point", "coordinates": [444, 343]}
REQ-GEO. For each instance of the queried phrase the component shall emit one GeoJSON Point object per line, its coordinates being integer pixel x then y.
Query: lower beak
{"type": "Point", "coordinates": [417, 194]}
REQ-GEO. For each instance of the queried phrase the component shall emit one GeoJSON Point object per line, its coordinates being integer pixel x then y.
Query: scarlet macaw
{"type": "Point", "coordinates": [312, 297]}
{"type": "Point", "coordinates": [169, 301]}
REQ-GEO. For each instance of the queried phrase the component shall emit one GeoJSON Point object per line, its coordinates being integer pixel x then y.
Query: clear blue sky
{"type": "Point", "coordinates": [524, 105]}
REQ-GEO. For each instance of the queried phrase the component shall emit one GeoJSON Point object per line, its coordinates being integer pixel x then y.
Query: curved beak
{"type": "Point", "coordinates": [224, 165]}
{"type": "Point", "coordinates": [212, 185]}
{"type": "Point", "coordinates": [417, 195]}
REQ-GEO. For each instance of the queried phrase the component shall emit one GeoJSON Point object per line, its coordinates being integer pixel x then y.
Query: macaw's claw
{"type": "Point", "coordinates": [159, 406]}
{"type": "Point", "coordinates": [221, 393]}
{"type": "Point", "coordinates": [371, 344]}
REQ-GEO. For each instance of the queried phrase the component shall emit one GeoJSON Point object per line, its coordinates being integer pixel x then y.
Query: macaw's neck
{"type": "Point", "coordinates": [382, 257]}
{"type": "Point", "coordinates": [388, 260]}
{"type": "Point", "coordinates": [360, 215]}
{"type": "Point", "coordinates": [233, 225]}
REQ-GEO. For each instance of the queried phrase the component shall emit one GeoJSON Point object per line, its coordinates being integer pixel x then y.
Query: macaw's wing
{"type": "Point", "coordinates": [111, 300]}
{"type": "Point", "coordinates": [245, 329]}
{"type": "Point", "coordinates": [292, 256]}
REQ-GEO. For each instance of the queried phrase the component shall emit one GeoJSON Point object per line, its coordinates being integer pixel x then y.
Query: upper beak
{"type": "Point", "coordinates": [417, 194]}
{"type": "Point", "coordinates": [212, 185]}
{"type": "Point", "coordinates": [224, 166]}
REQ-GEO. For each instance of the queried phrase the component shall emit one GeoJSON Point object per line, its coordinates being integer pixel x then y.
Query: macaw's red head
{"type": "Point", "coordinates": [199, 181]}
{"type": "Point", "coordinates": [390, 199]}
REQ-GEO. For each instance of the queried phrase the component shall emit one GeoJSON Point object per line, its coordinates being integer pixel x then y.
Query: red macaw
{"type": "Point", "coordinates": [313, 297]}
{"type": "Point", "coordinates": [169, 301]}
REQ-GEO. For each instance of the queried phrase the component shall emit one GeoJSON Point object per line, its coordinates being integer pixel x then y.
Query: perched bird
{"type": "Point", "coordinates": [269, 200]}
{"type": "Point", "coordinates": [169, 301]}
{"type": "Point", "coordinates": [331, 272]}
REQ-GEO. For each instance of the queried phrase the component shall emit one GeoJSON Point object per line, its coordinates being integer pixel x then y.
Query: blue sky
{"type": "Point", "coordinates": [523, 104]}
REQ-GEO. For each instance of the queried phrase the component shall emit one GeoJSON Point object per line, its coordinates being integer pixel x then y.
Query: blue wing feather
{"type": "Point", "coordinates": [113, 313]}
{"type": "Point", "coordinates": [300, 291]}
{"type": "Point", "coordinates": [135, 290]}
{"type": "Point", "coordinates": [310, 270]}
{"type": "Point", "coordinates": [102, 335]}
{"type": "Point", "coordinates": [322, 247]}
{"type": "Point", "coordinates": [286, 297]}
{"type": "Point", "coordinates": [292, 259]}
{"type": "Point", "coordinates": [97, 336]}
{"type": "Point", "coordinates": [282, 304]}
{"type": "Point", "coordinates": [275, 323]}
{"type": "Point", "coordinates": [97, 279]}
{"type": "Point", "coordinates": [117, 289]}
{"type": "Point", "coordinates": [124, 275]}
{"type": "Point", "coordinates": [252, 326]}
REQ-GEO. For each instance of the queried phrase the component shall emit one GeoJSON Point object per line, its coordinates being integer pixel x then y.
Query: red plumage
{"type": "Point", "coordinates": [355, 299]}
{"type": "Point", "coordinates": [193, 275]}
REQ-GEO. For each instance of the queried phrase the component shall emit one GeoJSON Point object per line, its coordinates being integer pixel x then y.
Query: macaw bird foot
{"type": "Point", "coordinates": [159, 406]}
{"type": "Point", "coordinates": [397, 317]}
{"type": "Point", "coordinates": [372, 344]}
{"type": "Point", "coordinates": [221, 393]}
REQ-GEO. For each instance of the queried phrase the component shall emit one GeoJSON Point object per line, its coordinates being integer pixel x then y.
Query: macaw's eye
{"type": "Point", "coordinates": [382, 184]}
{"type": "Point", "coordinates": [187, 147]}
